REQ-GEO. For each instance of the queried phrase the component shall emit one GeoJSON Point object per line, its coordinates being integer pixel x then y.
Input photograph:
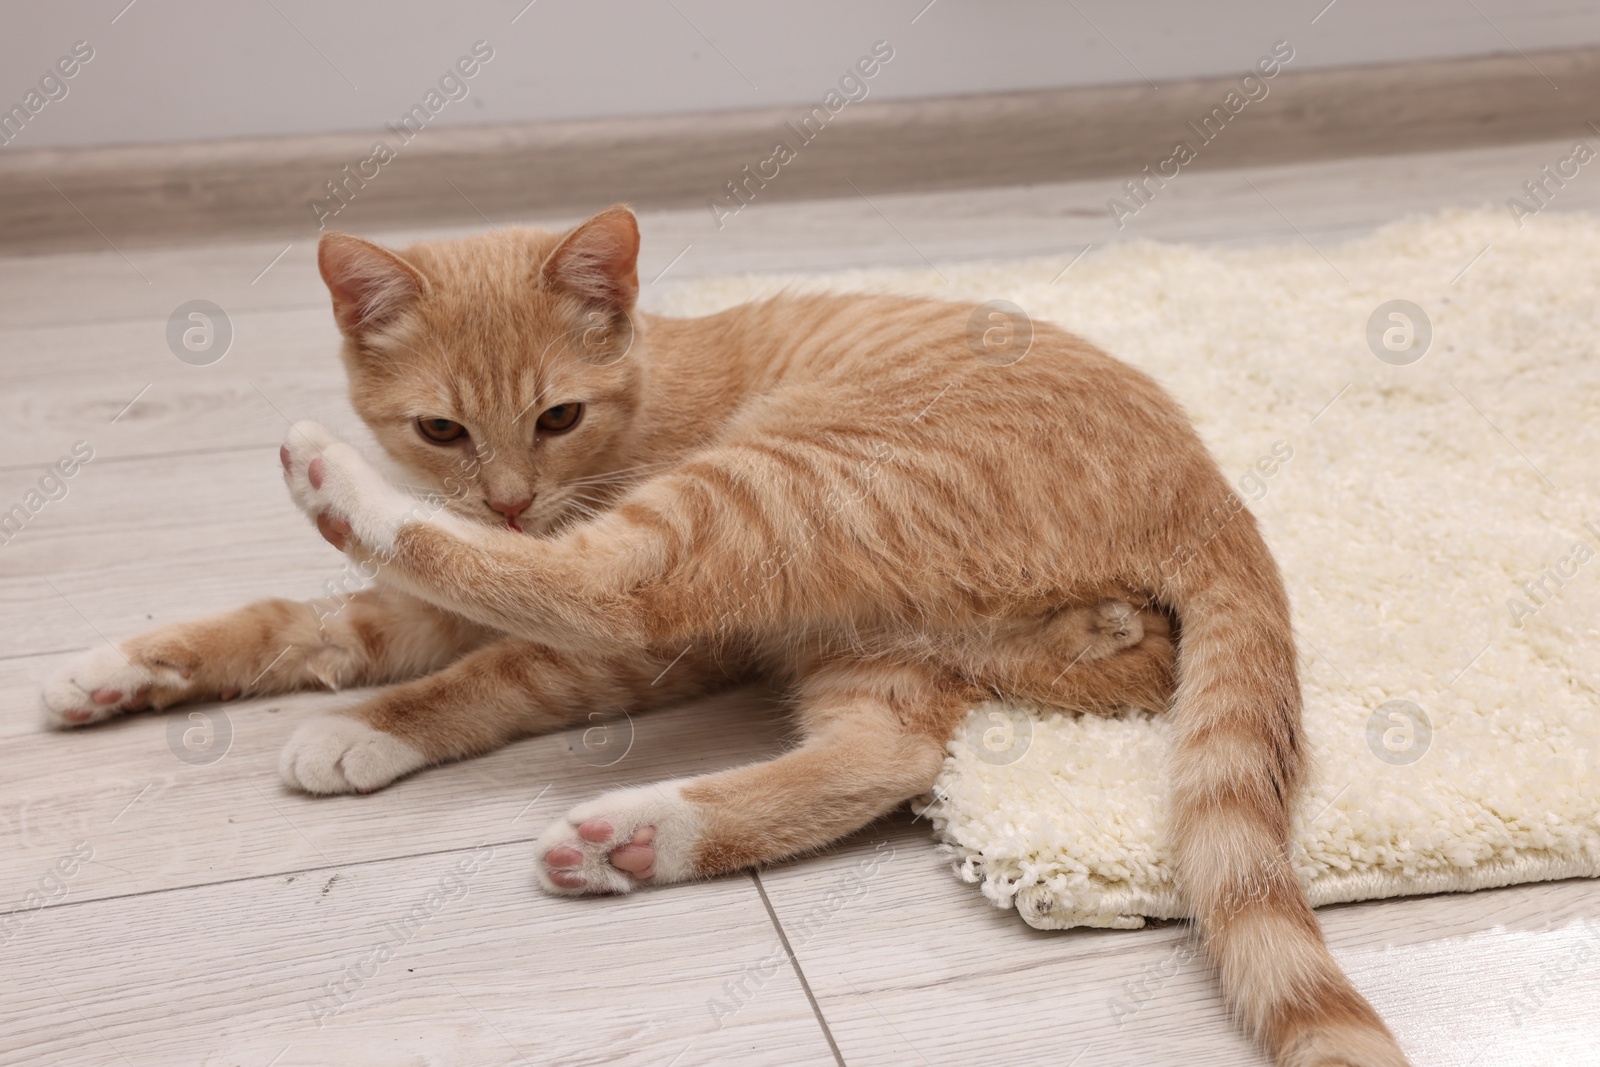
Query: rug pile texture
{"type": "Point", "coordinates": [1430, 484]}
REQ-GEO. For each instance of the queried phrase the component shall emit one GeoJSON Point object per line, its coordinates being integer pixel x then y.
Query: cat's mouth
{"type": "Point", "coordinates": [515, 525]}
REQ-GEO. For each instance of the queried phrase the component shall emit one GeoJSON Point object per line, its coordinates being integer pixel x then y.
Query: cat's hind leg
{"type": "Point", "coordinates": [271, 646]}
{"type": "Point", "coordinates": [875, 737]}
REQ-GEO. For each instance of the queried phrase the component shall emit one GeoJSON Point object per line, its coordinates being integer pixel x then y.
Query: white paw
{"type": "Point", "coordinates": [338, 754]}
{"type": "Point", "coordinates": [100, 684]}
{"type": "Point", "coordinates": [334, 484]}
{"type": "Point", "coordinates": [619, 841]}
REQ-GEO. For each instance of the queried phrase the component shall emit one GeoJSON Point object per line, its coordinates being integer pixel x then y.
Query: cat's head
{"type": "Point", "coordinates": [502, 370]}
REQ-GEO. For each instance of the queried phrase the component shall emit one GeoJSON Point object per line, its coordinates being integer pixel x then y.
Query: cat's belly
{"type": "Point", "coordinates": [1099, 657]}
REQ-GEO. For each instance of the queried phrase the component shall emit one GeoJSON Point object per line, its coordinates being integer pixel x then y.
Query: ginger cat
{"type": "Point", "coordinates": [831, 492]}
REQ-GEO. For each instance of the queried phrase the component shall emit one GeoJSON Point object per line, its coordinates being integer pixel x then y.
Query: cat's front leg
{"type": "Point", "coordinates": [567, 591]}
{"type": "Point", "coordinates": [354, 507]}
{"type": "Point", "coordinates": [507, 689]}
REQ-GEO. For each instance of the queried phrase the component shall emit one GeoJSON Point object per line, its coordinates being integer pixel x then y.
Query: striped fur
{"type": "Point", "coordinates": [836, 494]}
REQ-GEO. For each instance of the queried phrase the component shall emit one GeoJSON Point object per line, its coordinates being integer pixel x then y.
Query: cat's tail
{"type": "Point", "coordinates": [1238, 763]}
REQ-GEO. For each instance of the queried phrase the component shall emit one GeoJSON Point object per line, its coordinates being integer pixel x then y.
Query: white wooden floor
{"type": "Point", "coordinates": [218, 919]}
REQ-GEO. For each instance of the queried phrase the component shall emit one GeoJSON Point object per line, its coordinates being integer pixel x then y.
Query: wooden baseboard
{"type": "Point", "coordinates": [141, 195]}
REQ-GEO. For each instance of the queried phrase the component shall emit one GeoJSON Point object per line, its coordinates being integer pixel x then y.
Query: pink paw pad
{"type": "Point", "coordinates": [283, 457]}
{"type": "Point", "coordinates": [314, 473]}
{"type": "Point", "coordinates": [636, 856]}
{"type": "Point", "coordinates": [333, 530]}
{"type": "Point", "coordinates": [107, 697]}
{"type": "Point", "coordinates": [565, 856]}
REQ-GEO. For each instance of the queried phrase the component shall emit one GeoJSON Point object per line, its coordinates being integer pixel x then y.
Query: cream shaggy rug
{"type": "Point", "coordinates": [1431, 487]}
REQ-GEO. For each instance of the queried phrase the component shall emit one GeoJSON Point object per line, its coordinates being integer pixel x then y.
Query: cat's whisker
{"type": "Point", "coordinates": [608, 479]}
{"type": "Point", "coordinates": [643, 470]}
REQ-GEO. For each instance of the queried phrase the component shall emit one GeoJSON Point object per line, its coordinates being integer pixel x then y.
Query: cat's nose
{"type": "Point", "coordinates": [512, 509]}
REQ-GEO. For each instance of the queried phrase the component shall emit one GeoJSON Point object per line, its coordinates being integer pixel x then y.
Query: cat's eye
{"type": "Point", "coordinates": [560, 418]}
{"type": "Point", "coordinates": [441, 431]}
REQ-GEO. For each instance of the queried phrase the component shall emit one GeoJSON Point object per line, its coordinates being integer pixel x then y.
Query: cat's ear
{"type": "Point", "coordinates": [599, 261]}
{"type": "Point", "coordinates": [370, 285]}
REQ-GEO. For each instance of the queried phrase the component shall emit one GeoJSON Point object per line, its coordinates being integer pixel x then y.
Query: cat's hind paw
{"type": "Point", "coordinates": [620, 841]}
{"type": "Point", "coordinates": [1116, 625]}
{"type": "Point", "coordinates": [100, 684]}
{"type": "Point", "coordinates": [1100, 630]}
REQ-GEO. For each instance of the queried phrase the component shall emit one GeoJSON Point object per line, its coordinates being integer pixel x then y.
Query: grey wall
{"type": "Point", "coordinates": [183, 69]}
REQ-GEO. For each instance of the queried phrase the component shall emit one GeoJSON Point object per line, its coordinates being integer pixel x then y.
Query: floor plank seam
{"type": "Point", "coordinates": [144, 319]}
{"type": "Point", "coordinates": [46, 652]}
{"type": "Point", "coordinates": [297, 872]}
{"type": "Point", "coordinates": [135, 457]}
{"type": "Point", "coordinates": [799, 972]}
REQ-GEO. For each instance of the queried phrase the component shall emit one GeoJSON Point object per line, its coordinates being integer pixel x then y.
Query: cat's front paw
{"type": "Point", "coordinates": [620, 841]}
{"type": "Point", "coordinates": [354, 508]}
{"type": "Point", "coordinates": [339, 754]}
{"type": "Point", "coordinates": [103, 683]}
